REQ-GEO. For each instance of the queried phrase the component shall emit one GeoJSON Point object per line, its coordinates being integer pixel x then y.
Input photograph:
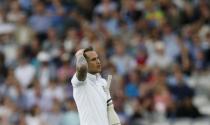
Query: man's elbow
{"type": "Point", "coordinates": [82, 68]}
{"type": "Point", "coordinates": [82, 72]}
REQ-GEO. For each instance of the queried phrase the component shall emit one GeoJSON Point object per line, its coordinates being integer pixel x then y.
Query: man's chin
{"type": "Point", "coordinates": [99, 71]}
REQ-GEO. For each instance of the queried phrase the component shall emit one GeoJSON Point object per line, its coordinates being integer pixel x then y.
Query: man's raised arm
{"type": "Point", "coordinates": [81, 65]}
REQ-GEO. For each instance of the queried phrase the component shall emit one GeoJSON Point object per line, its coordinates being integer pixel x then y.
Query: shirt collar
{"type": "Point", "coordinates": [93, 77]}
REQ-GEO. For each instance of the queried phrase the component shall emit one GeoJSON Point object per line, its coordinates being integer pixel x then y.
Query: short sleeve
{"type": "Point", "coordinates": [75, 82]}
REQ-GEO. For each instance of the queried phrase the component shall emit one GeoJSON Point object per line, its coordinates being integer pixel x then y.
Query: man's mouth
{"type": "Point", "coordinates": [99, 66]}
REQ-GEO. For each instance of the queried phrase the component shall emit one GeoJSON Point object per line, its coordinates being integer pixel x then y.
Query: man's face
{"type": "Point", "coordinates": [94, 64]}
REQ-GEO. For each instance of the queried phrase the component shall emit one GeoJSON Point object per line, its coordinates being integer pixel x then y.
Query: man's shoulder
{"type": "Point", "coordinates": [103, 81]}
{"type": "Point", "coordinates": [75, 81]}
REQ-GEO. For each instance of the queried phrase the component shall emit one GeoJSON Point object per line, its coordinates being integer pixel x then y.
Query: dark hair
{"type": "Point", "coordinates": [87, 50]}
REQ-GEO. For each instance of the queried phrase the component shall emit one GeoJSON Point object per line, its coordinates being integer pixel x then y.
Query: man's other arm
{"type": "Point", "coordinates": [112, 115]}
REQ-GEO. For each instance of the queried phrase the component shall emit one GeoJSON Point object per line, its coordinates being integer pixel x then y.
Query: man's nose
{"type": "Point", "coordinates": [98, 61]}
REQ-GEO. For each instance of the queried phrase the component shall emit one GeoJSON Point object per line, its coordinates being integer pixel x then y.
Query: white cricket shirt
{"type": "Point", "coordinates": [91, 99]}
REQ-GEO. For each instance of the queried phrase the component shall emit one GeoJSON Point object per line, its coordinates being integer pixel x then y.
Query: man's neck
{"type": "Point", "coordinates": [92, 73]}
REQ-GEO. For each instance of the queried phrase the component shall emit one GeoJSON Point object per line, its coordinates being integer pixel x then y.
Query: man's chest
{"type": "Point", "coordinates": [98, 88]}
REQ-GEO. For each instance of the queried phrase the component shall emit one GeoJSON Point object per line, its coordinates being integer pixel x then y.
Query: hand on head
{"type": "Point", "coordinates": [79, 52]}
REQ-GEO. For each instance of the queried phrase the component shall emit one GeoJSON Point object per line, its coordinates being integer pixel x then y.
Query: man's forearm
{"type": "Point", "coordinates": [81, 67]}
{"type": "Point", "coordinates": [112, 115]}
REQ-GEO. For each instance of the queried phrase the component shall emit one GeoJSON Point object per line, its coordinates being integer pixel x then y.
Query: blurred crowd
{"type": "Point", "coordinates": [158, 52]}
